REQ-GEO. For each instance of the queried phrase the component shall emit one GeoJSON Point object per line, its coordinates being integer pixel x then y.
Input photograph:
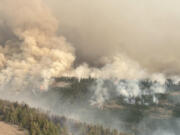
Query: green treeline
{"type": "Point", "coordinates": [38, 123]}
{"type": "Point", "coordinates": [31, 119]}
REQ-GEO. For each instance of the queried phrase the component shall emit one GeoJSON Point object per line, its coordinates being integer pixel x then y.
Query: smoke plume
{"type": "Point", "coordinates": [114, 43]}
{"type": "Point", "coordinates": [30, 50]}
{"type": "Point", "coordinates": [146, 31]}
{"type": "Point", "coordinates": [122, 41]}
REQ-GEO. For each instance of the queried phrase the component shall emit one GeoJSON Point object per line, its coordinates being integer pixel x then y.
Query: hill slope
{"type": "Point", "coordinates": [6, 129]}
{"type": "Point", "coordinates": [38, 123]}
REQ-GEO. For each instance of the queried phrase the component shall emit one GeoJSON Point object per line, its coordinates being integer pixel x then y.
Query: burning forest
{"type": "Point", "coordinates": [97, 67]}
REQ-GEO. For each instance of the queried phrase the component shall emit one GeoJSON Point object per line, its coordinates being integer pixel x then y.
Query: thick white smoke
{"type": "Point", "coordinates": [36, 53]}
{"type": "Point", "coordinates": [130, 90]}
{"type": "Point", "coordinates": [118, 66]}
{"type": "Point", "coordinates": [32, 52]}
{"type": "Point", "coordinates": [145, 30]}
{"type": "Point", "coordinates": [115, 40]}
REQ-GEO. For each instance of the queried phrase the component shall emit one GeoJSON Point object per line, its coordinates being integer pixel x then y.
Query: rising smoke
{"type": "Point", "coordinates": [146, 31]}
{"type": "Point", "coordinates": [113, 41]}
{"type": "Point", "coordinates": [116, 40]}
{"type": "Point", "coordinates": [33, 52]}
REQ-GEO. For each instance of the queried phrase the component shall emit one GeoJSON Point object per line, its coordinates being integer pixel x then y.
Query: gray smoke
{"type": "Point", "coordinates": [31, 51]}
{"type": "Point", "coordinates": [120, 39]}
{"type": "Point", "coordinates": [146, 31]}
{"type": "Point", "coordinates": [124, 39]}
{"type": "Point", "coordinates": [129, 89]}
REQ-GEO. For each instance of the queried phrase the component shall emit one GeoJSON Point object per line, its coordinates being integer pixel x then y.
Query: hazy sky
{"type": "Point", "coordinates": [126, 38]}
{"type": "Point", "coordinates": [147, 31]}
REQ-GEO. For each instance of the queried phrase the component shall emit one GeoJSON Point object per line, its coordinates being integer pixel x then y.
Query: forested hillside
{"type": "Point", "coordinates": [38, 123]}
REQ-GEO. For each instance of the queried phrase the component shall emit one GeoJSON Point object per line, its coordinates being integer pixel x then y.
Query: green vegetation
{"type": "Point", "coordinates": [31, 119]}
{"type": "Point", "coordinates": [76, 91]}
{"type": "Point", "coordinates": [38, 123]}
{"type": "Point", "coordinates": [144, 106]}
{"type": "Point", "coordinates": [77, 95]}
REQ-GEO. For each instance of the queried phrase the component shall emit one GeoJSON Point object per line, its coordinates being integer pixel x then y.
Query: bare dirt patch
{"type": "Point", "coordinates": [7, 129]}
